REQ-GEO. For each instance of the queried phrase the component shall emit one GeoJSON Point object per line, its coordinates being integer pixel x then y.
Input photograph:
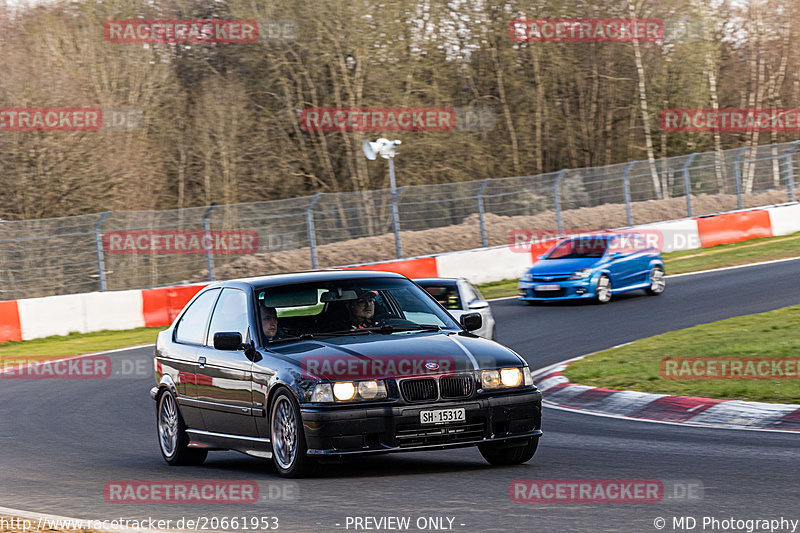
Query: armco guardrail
{"type": "Point", "coordinates": [120, 250]}
{"type": "Point", "coordinates": [57, 315]}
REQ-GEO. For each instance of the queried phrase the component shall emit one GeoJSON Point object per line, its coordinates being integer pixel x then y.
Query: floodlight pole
{"type": "Point", "coordinates": [395, 215]}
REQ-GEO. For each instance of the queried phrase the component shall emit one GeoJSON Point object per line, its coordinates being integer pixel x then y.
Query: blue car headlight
{"type": "Point", "coordinates": [526, 277]}
{"type": "Point", "coordinates": [581, 274]}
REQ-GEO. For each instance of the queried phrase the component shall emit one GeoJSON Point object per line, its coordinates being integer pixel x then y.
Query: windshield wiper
{"type": "Point", "coordinates": [320, 334]}
{"type": "Point", "coordinates": [411, 327]}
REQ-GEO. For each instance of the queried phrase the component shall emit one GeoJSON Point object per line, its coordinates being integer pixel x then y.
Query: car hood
{"type": "Point", "coordinates": [395, 355]}
{"type": "Point", "coordinates": [546, 267]}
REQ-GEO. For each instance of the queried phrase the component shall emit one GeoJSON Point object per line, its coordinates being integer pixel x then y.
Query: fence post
{"type": "Point", "coordinates": [312, 234]}
{"type": "Point", "coordinates": [557, 200]}
{"type": "Point", "coordinates": [484, 238]}
{"type": "Point", "coordinates": [98, 243]}
{"type": "Point", "coordinates": [687, 184]}
{"type": "Point", "coordinates": [206, 234]}
{"type": "Point", "coordinates": [737, 176]}
{"type": "Point", "coordinates": [787, 154]}
{"type": "Point", "coordinates": [626, 192]}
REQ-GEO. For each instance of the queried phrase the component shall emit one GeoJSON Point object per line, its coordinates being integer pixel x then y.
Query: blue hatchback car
{"type": "Point", "coordinates": [593, 267]}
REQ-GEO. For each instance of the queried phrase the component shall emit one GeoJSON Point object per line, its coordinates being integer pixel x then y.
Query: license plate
{"type": "Point", "coordinates": [547, 287]}
{"type": "Point", "coordinates": [442, 416]}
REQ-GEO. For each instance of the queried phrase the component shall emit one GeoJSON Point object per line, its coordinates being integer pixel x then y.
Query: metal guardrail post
{"type": "Point", "coordinates": [312, 234]}
{"type": "Point", "coordinates": [206, 230]}
{"type": "Point", "coordinates": [737, 176]}
{"type": "Point", "coordinates": [626, 192]}
{"type": "Point", "coordinates": [557, 200]}
{"type": "Point", "coordinates": [98, 243]}
{"type": "Point", "coordinates": [484, 237]}
{"type": "Point", "coordinates": [787, 155]}
{"type": "Point", "coordinates": [398, 245]}
{"type": "Point", "coordinates": [687, 184]}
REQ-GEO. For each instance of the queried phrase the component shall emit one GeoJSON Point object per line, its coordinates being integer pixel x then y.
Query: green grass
{"type": "Point", "coordinates": [676, 262]}
{"type": "Point", "coordinates": [80, 343]}
{"type": "Point", "coordinates": [636, 366]}
{"type": "Point", "coordinates": [724, 255]}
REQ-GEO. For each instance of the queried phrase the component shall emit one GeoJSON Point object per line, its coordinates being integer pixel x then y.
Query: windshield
{"type": "Point", "coordinates": [584, 247]}
{"type": "Point", "coordinates": [346, 307]}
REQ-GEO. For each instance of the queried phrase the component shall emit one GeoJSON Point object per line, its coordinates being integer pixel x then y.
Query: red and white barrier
{"type": "Point", "coordinates": [58, 315]}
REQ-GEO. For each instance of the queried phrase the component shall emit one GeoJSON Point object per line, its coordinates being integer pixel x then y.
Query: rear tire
{"type": "Point", "coordinates": [287, 437]}
{"type": "Point", "coordinates": [657, 281]}
{"type": "Point", "coordinates": [498, 456]}
{"type": "Point", "coordinates": [172, 438]}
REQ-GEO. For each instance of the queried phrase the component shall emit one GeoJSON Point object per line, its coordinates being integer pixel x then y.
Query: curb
{"type": "Point", "coordinates": [559, 392]}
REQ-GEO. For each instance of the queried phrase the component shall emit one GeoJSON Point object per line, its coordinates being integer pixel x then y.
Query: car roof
{"type": "Point", "coordinates": [434, 280]}
{"type": "Point", "coordinates": [274, 280]}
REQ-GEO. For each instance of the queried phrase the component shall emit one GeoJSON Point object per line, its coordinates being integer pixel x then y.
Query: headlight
{"type": "Point", "coordinates": [503, 378]}
{"type": "Point", "coordinates": [526, 277]}
{"type": "Point", "coordinates": [345, 391]}
{"type": "Point", "coordinates": [581, 274]}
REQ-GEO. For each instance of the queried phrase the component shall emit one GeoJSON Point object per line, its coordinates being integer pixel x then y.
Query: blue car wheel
{"type": "Point", "coordinates": [657, 281]}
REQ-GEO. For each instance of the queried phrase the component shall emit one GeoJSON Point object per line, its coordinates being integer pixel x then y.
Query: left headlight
{"type": "Point", "coordinates": [348, 391]}
{"type": "Point", "coordinates": [505, 378]}
{"type": "Point", "coordinates": [526, 277]}
{"type": "Point", "coordinates": [581, 274]}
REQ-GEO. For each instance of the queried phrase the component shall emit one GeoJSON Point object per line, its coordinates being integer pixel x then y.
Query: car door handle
{"type": "Point", "coordinates": [202, 362]}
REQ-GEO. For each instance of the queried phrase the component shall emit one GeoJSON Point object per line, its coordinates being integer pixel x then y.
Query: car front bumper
{"type": "Point", "coordinates": [570, 290]}
{"type": "Point", "coordinates": [509, 418]}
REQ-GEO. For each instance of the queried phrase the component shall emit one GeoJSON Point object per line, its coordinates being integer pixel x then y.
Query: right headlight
{"type": "Point", "coordinates": [581, 274]}
{"type": "Point", "coordinates": [526, 277]}
{"type": "Point", "coordinates": [348, 391]}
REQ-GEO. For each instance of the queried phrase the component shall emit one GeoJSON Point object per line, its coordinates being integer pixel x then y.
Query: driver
{"type": "Point", "coordinates": [362, 310]}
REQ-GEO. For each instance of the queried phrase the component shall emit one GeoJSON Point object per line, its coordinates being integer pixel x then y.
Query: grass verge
{"type": "Point", "coordinates": [636, 366]}
{"type": "Point", "coordinates": [79, 343]}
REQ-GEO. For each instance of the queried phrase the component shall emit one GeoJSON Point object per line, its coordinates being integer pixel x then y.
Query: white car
{"type": "Point", "coordinates": [459, 297]}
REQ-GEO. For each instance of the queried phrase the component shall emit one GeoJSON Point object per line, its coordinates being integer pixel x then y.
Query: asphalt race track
{"type": "Point", "coordinates": [62, 440]}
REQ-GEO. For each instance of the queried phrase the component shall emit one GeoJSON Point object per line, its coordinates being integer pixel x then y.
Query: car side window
{"type": "Point", "coordinates": [191, 329]}
{"type": "Point", "coordinates": [230, 314]}
{"type": "Point", "coordinates": [469, 295]}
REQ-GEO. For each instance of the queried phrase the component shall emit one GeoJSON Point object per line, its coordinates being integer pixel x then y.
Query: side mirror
{"type": "Point", "coordinates": [541, 256]}
{"type": "Point", "coordinates": [228, 340]}
{"type": "Point", "coordinates": [478, 304]}
{"type": "Point", "coordinates": [471, 321]}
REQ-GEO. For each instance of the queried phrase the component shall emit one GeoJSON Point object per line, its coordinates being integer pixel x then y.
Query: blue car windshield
{"type": "Point", "coordinates": [583, 247]}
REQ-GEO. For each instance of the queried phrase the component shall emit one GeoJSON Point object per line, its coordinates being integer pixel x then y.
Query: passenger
{"type": "Point", "coordinates": [269, 322]}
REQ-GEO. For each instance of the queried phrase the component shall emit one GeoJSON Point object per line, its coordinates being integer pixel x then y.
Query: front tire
{"type": "Point", "coordinates": [602, 292]}
{"type": "Point", "coordinates": [172, 438]}
{"type": "Point", "coordinates": [503, 456]}
{"type": "Point", "coordinates": [288, 438]}
{"type": "Point", "coordinates": [657, 281]}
